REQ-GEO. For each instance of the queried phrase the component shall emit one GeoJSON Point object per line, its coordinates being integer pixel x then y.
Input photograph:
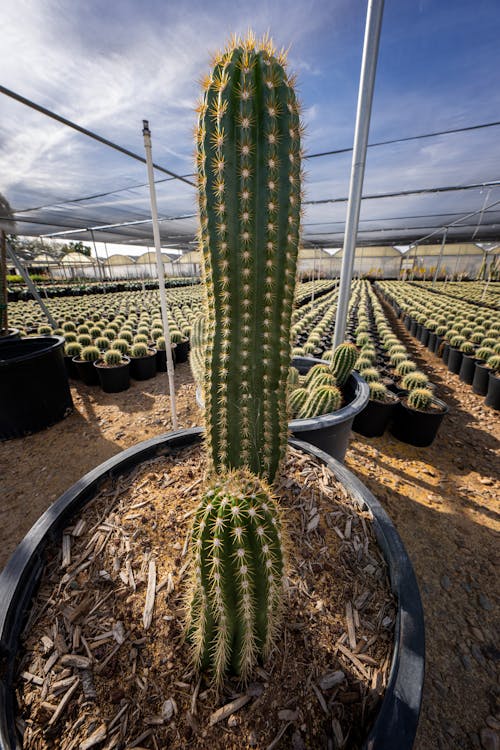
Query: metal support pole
{"type": "Point", "coordinates": [160, 270]}
{"type": "Point", "coordinates": [365, 96]}
{"type": "Point", "coordinates": [438, 265]}
{"type": "Point", "coordinates": [313, 278]}
{"type": "Point", "coordinates": [99, 270]}
{"type": "Point", "coordinates": [34, 291]}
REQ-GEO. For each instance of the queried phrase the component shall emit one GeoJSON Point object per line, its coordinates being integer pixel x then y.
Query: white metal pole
{"type": "Point", "coordinates": [440, 257]}
{"type": "Point", "coordinates": [160, 270]}
{"type": "Point", "coordinates": [366, 85]}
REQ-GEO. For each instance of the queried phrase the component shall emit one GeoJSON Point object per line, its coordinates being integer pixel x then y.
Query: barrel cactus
{"type": "Point", "coordinates": [298, 398]}
{"type": "Point", "coordinates": [420, 399]}
{"type": "Point", "coordinates": [249, 178]}
{"type": "Point", "coordinates": [236, 592]}
{"type": "Point", "coordinates": [90, 354]}
{"type": "Point", "coordinates": [139, 350]}
{"type": "Point", "coordinates": [415, 379]}
{"type": "Point", "coordinates": [378, 391]}
{"type": "Point", "coordinates": [113, 357]}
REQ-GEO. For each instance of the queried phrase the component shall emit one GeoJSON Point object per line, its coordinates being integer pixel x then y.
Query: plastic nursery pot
{"type": "Point", "coordinates": [493, 395]}
{"type": "Point", "coordinates": [480, 380]}
{"type": "Point", "coordinates": [331, 432]}
{"type": "Point", "coordinates": [161, 358]}
{"type": "Point", "coordinates": [437, 344]}
{"type": "Point", "coordinates": [375, 417]}
{"type": "Point", "coordinates": [413, 327]}
{"type": "Point", "coordinates": [415, 427]}
{"type": "Point", "coordinates": [396, 722]}
{"type": "Point", "coordinates": [182, 350]}
{"type": "Point", "coordinates": [467, 369]}
{"type": "Point", "coordinates": [114, 379]}
{"type": "Point", "coordinates": [445, 353]}
{"type": "Point", "coordinates": [86, 371]}
{"type": "Point", "coordinates": [424, 335]}
{"type": "Point", "coordinates": [143, 368]}
{"type": "Point", "coordinates": [34, 389]}
{"type": "Point", "coordinates": [454, 360]}
{"type": "Point", "coordinates": [431, 341]}
{"type": "Point", "coordinates": [70, 367]}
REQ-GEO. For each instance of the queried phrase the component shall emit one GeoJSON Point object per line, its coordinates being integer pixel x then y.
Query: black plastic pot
{"type": "Point", "coordinates": [331, 432]}
{"type": "Point", "coordinates": [70, 367]}
{"type": "Point", "coordinates": [467, 369]}
{"type": "Point", "coordinates": [375, 417]}
{"type": "Point", "coordinates": [161, 358]}
{"type": "Point", "coordinates": [423, 335]}
{"type": "Point", "coordinates": [414, 427]}
{"type": "Point", "coordinates": [493, 395]}
{"type": "Point", "coordinates": [143, 368]}
{"type": "Point", "coordinates": [413, 327]}
{"type": "Point", "coordinates": [182, 351]}
{"type": "Point", "coordinates": [446, 353]}
{"type": "Point", "coordinates": [86, 371]}
{"type": "Point", "coordinates": [480, 380]}
{"type": "Point", "coordinates": [34, 389]}
{"type": "Point", "coordinates": [454, 360]}
{"type": "Point", "coordinates": [114, 379]}
{"type": "Point", "coordinates": [396, 723]}
{"type": "Point", "coordinates": [437, 343]}
{"type": "Point", "coordinates": [431, 341]}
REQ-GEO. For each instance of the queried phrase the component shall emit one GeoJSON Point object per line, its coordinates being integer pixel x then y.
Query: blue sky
{"type": "Point", "coordinates": [107, 66]}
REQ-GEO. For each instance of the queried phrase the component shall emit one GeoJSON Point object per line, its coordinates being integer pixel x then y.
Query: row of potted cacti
{"type": "Point", "coordinates": [54, 289]}
{"type": "Point", "coordinates": [475, 292]}
{"type": "Point", "coordinates": [466, 336]}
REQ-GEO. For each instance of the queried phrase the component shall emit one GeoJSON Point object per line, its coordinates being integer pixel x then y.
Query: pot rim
{"type": "Point", "coordinates": [52, 342]}
{"type": "Point", "coordinates": [396, 723]}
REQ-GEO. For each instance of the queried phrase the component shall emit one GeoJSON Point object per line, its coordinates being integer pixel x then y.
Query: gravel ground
{"type": "Point", "coordinates": [443, 500]}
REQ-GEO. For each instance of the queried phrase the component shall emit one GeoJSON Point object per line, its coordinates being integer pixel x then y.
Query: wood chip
{"type": "Point", "coordinates": [76, 661]}
{"type": "Point", "coordinates": [230, 708]}
{"type": "Point", "coordinates": [331, 679]}
{"type": "Point", "coordinates": [66, 551]}
{"type": "Point", "coordinates": [354, 660]}
{"type": "Point", "coordinates": [147, 616]}
{"type": "Point", "coordinates": [98, 735]}
{"type": "Point", "coordinates": [351, 630]}
{"type": "Point", "coordinates": [64, 702]}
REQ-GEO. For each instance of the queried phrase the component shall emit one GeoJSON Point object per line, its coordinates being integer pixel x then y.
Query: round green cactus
{"type": "Point", "coordinates": [113, 357]}
{"type": "Point", "coordinates": [235, 599]}
{"type": "Point", "coordinates": [467, 347]}
{"type": "Point", "coordinates": [84, 339]}
{"type": "Point", "coordinates": [378, 391]}
{"type": "Point", "coordinates": [493, 362]}
{"type": "Point", "coordinates": [404, 367]}
{"type": "Point", "coordinates": [298, 398]}
{"type": "Point", "coordinates": [139, 350]}
{"type": "Point", "coordinates": [314, 372]}
{"type": "Point", "coordinates": [73, 349]}
{"type": "Point", "coordinates": [420, 399]}
{"type": "Point", "coordinates": [122, 345]}
{"type": "Point", "coordinates": [415, 379]}
{"type": "Point", "coordinates": [484, 353]}
{"type": "Point", "coordinates": [102, 343]}
{"type": "Point", "coordinates": [90, 354]}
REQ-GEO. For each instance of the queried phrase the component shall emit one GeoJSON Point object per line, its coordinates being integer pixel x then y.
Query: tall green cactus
{"type": "Point", "coordinates": [249, 177]}
{"type": "Point", "coordinates": [197, 351]}
{"type": "Point", "coordinates": [235, 598]}
{"type": "Point", "coordinates": [343, 361]}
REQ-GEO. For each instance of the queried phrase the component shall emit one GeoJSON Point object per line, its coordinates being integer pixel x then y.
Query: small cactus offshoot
{"type": "Point", "coordinates": [236, 594]}
{"type": "Point", "coordinates": [322, 399]}
{"type": "Point", "coordinates": [420, 399]}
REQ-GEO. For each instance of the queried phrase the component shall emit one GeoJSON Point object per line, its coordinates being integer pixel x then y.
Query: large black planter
{"type": "Point", "coordinates": [375, 417]}
{"type": "Point", "coordinates": [143, 368]}
{"type": "Point", "coordinates": [454, 360]}
{"type": "Point", "coordinates": [467, 369]}
{"type": "Point", "coordinates": [396, 723]}
{"type": "Point", "coordinates": [114, 379]}
{"type": "Point", "coordinates": [12, 333]}
{"type": "Point", "coordinates": [493, 395]}
{"type": "Point", "coordinates": [480, 380]}
{"type": "Point", "coordinates": [86, 371]}
{"type": "Point", "coordinates": [34, 389]}
{"type": "Point", "coordinates": [331, 432]}
{"type": "Point", "coordinates": [414, 427]}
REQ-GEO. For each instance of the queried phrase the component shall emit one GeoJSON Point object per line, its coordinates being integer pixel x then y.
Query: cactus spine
{"type": "Point", "coordinates": [249, 175]}
{"type": "Point", "coordinates": [322, 399]}
{"type": "Point", "coordinates": [343, 361]}
{"type": "Point", "coordinates": [237, 578]}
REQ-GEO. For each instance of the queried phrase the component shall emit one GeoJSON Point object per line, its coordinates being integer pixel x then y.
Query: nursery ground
{"type": "Point", "coordinates": [443, 500]}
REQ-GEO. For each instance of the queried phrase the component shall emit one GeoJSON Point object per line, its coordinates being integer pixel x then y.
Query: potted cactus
{"type": "Point", "coordinates": [493, 394]}
{"type": "Point", "coordinates": [84, 363]}
{"type": "Point", "coordinates": [418, 416]}
{"type": "Point", "coordinates": [142, 361]}
{"type": "Point", "coordinates": [238, 537]}
{"type": "Point", "coordinates": [72, 349]}
{"type": "Point", "coordinates": [113, 369]}
{"type": "Point", "coordinates": [161, 354]}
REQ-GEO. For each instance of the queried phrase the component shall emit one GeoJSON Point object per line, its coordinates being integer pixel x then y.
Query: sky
{"type": "Point", "coordinates": [107, 66]}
